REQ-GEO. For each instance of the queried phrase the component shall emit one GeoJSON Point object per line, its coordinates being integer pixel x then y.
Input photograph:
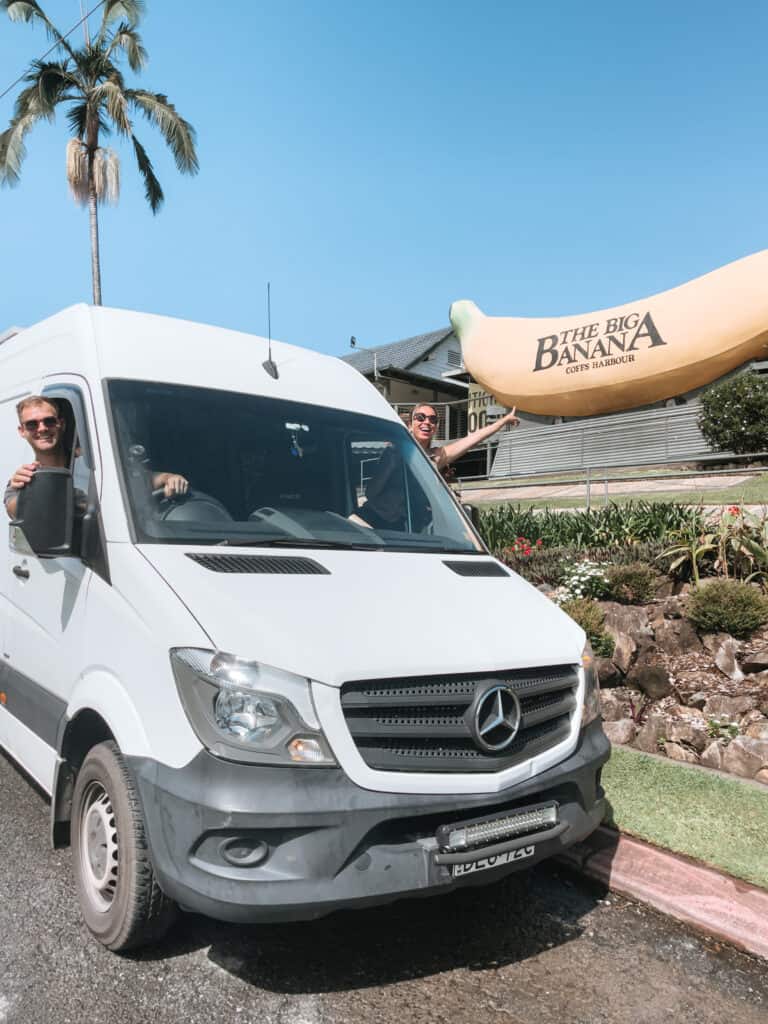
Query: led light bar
{"type": "Point", "coordinates": [466, 836]}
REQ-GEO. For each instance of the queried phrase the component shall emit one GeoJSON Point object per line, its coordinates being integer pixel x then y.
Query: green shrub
{"type": "Point", "coordinates": [734, 414]}
{"type": "Point", "coordinates": [634, 583]}
{"type": "Point", "coordinates": [590, 616]}
{"type": "Point", "coordinates": [726, 606]}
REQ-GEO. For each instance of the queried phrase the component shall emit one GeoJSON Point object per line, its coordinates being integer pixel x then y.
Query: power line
{"type": "Point", "coordinates": [58, 42]}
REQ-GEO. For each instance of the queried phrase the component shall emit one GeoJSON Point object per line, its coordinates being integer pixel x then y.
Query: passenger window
{"type": "Point", "coordinates": [387, 494]}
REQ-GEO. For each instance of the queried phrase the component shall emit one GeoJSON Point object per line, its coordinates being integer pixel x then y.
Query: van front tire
{"type": "Point", "coordinates": [120, 900]}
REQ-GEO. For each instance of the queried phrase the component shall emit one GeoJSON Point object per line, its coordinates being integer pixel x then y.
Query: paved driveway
{"type": "Point", "coordinates": [541, 947]}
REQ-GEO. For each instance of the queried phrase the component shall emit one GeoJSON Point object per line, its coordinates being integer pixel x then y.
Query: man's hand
{"type": "Point", "coordinates": [23, 475]}
{"type": "Point", "coordinates": [175, 484]}
{"type": "Point", "coordinates": [510, 417]}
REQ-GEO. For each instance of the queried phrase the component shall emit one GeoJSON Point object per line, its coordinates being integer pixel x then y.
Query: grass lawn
{"type": "Point", "coordinates": [718, 821]}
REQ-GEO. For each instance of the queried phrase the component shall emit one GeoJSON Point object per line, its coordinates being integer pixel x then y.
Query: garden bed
{"type": "Point", "coordinates": [682, 642]}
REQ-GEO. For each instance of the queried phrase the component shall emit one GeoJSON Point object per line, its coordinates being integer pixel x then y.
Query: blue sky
{"type": "Point", "coordinates": [376, 162]}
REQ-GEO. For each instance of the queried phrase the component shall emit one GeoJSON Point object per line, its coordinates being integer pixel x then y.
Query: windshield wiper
{"type": "Point", "coordinates": [302, 542]}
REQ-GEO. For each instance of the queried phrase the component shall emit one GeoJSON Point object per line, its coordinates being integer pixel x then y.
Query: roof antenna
{"type": "Point", "coordinates": [268, 363]}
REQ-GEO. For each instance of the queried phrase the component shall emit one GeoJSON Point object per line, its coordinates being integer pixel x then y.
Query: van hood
{"type": "Point", "coordinates": [369, 615]}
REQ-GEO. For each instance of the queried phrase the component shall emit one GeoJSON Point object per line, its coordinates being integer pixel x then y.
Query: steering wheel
{"type": "Point", "coordinates": [159, 495]}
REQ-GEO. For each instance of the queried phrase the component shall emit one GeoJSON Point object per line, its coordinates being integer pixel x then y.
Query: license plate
{"type": "Point", "coordinates": [484, 863]}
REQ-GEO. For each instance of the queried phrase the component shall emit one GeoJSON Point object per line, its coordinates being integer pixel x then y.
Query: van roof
{"type": "Point", "coordinates": [145, 346]}
{"type": "Point", "coordinates": [9, 332]}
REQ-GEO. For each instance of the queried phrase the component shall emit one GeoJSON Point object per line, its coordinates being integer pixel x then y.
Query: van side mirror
{"type": "Point", "coordinates": [473, 514]}
{"type": "Point", "coordinates": [45, 512]}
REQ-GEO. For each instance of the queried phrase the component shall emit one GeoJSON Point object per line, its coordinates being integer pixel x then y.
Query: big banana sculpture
{"type": "Point", "coordinates": [620, 358]}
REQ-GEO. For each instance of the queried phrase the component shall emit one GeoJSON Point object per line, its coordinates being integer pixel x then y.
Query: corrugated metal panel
{"type": "Point", "coordinates": [626, 439]}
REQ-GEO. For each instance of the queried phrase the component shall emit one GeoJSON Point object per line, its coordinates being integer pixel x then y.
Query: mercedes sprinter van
{"type": "Point", "coordinates": [302, 684]}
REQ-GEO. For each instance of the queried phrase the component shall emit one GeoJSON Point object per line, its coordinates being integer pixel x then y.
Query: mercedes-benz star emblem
{"type": "Point", "coordinates": [496, 718]}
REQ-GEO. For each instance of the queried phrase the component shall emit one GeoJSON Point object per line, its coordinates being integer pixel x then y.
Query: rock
{"type": "Point", "coordinates": [750, 717]}
{"type": "Point", "coordinates": [762, 776]}
{"type": "Point", "coordinates": [689, 731]}
{"type": "Point", "coordinates": [652, 679]}
{"type": "Point", "coordinates": [651, 733]}
{"type": "Point", "coordinates": [721, 706]}
{"type": "Point", "coordinates": [713, 755]}
{"type": "Point", "coordinates": [696, 700]}
{"type": "Point", "coordinates": [625, 618]}
{"type": "Point", "coordinates": [607, 673]}
{"type": "Point", "coordinates": [758, 730]}
{"type": "Point", "coordinates": [623, 651]}
{"type": "Point", "coordinates": [725, 659]}
{"type": "Point", "coordinates": [746, 756]}
{"type": "Point", "coordinates": [671, 608]}
{"type": "Point", "coordinates": [612, 707]}
{"type": "Point", "coordinates": [677, 636]}
{"type": "Point", "coordinates": [545, 588]}
{"type": "Point", "coordinates": [622, 731]}
{"type": "Point", "coordinates": [756, 662]}
{"type": "Point", "coordinates": [712, 642]}
{"type": "Point", "coordinates": [665, 588]}
{"type": "Point", "coordinates": [679, 753]}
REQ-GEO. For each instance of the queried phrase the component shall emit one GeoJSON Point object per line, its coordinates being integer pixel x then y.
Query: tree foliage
{"type": "Point", "coordinates": [734, 414]}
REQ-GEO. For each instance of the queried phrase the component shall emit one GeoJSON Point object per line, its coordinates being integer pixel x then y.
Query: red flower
{"type": "Point", "coordinates": [735, 510]}
{"type": "Point", "coordinates": [539, 542]}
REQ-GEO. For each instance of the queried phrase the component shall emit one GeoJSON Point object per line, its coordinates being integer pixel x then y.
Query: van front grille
{"type": "Point", "coordinates": [427, 724]}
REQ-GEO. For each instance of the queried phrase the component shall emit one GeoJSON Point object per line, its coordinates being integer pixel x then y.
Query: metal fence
{"type": "Point", "coordinates": [627, 439]}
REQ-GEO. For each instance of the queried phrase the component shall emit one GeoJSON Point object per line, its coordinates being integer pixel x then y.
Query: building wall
{"type": "Point", "coordinates": [403, 391]}
{"type": "Point", "coordinates": [443, 357]}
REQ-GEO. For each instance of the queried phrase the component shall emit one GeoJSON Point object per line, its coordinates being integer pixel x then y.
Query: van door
{"type": "Point", "coordinates": [45, 624]}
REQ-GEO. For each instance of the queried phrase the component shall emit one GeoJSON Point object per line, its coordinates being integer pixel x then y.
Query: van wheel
{"type": "Point", "coordinates": [121, 902]}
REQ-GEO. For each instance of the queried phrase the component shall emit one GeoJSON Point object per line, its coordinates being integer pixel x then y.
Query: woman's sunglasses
{"type": "Point", "coordinates": [421, 416]}
{"type": "Point", "coordinates": [49, 422]}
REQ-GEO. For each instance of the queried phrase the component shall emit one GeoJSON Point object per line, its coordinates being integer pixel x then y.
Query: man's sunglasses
{"type": "Point", "coordinates": [421, 416]}
{"type": "Point", "coordinates": [49, 422]}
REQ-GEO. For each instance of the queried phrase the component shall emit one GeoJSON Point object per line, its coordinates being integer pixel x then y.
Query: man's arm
{"type": "Point", "coordinates": [450, 452]}
{"type": "Point", "coordinates": [11, 498]}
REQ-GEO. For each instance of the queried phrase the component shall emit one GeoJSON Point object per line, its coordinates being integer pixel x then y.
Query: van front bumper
{"type": "Point", "coordinates": [308, 841]}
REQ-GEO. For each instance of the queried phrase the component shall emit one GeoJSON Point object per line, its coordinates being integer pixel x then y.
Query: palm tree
{"type": "Point", "coordinates": [89, 82]}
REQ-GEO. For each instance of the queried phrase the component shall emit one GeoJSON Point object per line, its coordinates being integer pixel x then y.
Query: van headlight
{"type": "Point", "coordinates": [591, 709]}
{"type": "Point", "coordinates": [245, 711]}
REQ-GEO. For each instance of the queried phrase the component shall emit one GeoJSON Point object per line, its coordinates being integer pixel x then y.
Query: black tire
{"type": "Point", "coordinates": [121, 902]}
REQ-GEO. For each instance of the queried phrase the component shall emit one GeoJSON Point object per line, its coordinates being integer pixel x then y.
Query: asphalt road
{"type": "Point", "coordinates": [540, 947]}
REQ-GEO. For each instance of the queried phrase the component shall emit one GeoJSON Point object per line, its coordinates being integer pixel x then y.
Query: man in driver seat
{"type": "Point", "coordinates": [42, 425]}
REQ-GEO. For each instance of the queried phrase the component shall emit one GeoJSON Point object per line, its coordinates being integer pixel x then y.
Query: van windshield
{"type": "Point", "coordinates": [271, 472]}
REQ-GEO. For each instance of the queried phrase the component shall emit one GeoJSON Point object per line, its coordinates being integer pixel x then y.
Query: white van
{"type": "Point", "coordinates": [305, 685]}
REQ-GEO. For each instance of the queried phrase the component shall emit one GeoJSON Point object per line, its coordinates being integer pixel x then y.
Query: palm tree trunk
{"type": "Point", "coordinates": [93, 216]}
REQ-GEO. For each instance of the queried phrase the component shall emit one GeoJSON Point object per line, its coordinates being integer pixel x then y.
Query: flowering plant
{"type": "Point", "coordinates": [521, 546]}
{"type": "Point", "coordinates": [583, 579]}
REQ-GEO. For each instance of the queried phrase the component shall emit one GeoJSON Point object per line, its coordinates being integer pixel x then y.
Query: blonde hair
{"type": "Point", "coordinates": [37, 400]}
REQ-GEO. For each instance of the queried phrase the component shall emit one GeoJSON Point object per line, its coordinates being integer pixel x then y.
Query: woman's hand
{"type": "Point", "coordinates": [509, 418]}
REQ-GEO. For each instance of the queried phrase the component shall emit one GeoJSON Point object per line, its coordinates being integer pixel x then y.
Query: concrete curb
{"type": "Point", "coordinates": [702, 897]}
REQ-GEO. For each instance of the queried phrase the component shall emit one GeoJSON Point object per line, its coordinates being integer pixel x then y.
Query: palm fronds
{"type": "Point", "coordinates": [178, 133]}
